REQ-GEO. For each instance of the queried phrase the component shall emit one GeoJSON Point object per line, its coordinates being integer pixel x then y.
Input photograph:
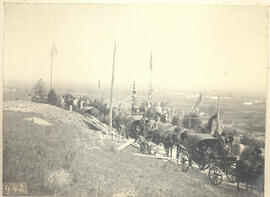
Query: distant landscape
{"type": "Point", "coordinates": [244, 111]}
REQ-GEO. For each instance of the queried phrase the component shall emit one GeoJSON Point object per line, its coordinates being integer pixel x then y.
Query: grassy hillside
{"type": "Point", "coordinates": [69, 159]}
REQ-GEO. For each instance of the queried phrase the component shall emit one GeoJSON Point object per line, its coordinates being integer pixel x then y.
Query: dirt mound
{"type": "Point", "coordinates": [43, 144]}
{"type": "Point", "coordinates": [48, 111]}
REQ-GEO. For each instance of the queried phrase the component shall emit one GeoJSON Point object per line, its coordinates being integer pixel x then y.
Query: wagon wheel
{"type": "Point", "coordinates": [230, 174]}
{"type": "Point", "coordinates": [215, 175]}
{"type": "Point", "coordinates": [183, 161]}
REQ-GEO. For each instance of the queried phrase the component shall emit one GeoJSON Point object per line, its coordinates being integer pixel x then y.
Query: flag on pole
{"type": "Point", "coordinates": [150, 96]}
{"type": "Point", "coordinates": [219, 121]}
{"type": "Point", "coordinates": [134, 92]}
{"type": "Point", "coordinates": [150, 90]}
{"type": "Point", "coordinates": [53, 51]}
{"type": "Point", "coordinates": [217, 127]}
{"type": "Point", "coordinates": [199, 102]}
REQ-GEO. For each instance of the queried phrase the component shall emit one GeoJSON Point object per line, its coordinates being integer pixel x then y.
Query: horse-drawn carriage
{"type": "Point", "coordinates": [204, 150]}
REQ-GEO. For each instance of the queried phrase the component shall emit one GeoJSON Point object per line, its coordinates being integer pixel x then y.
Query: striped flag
{"type": "Point", "coordinates": [150, 96]}
{"type": "Point", "coordinates": [53, 51]}
{"type": "Point", "coordinates": [134, 92]}
{"type": "Point", "coordinates": [199, 102]}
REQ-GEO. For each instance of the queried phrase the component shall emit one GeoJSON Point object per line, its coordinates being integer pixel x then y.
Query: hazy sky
{"type": "Point", "coordinates": [193, 46]}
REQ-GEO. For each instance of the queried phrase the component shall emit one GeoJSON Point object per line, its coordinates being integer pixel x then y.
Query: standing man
{"type": "Point", "coordinates": [62, 102]}
{"type": "Point", "coordinates": [30, 97]}
{"type": "Point", "coordinates": [143, 126]}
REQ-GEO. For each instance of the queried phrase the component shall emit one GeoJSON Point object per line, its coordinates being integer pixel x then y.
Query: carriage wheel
{"type": "Point", "coordinates": [183, 161]}
{"type": "Point", "coordinates": [215, 175]}
{"type": "Point", "coordinates": [230, 174]}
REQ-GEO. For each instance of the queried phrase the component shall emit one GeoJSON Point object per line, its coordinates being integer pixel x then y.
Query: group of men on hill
{"type": "Point", "coordinates": [158, 113]}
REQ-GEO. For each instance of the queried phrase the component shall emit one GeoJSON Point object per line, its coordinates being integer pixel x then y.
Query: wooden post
{"type": "Point", "coordinates": [52, 55]}
{"type": "Point", "coordinates": [149, 88]}
{"type": "Point", "coordinates": [112, 82]}
{"type": "Point", "coordinates": [51, 72]}
{"type": "Point", "coordinates": [218, 107]}
{"type": "Point", "coordinates": [218, 116]}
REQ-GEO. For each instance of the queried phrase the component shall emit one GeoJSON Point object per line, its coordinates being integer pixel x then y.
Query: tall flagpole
{"type": "Point", "coordinates": [112, 82]}
{"type": "Point", "coordinates": [149, 88]}
{"type": "Point", "coordinates": [218, 106]}
{"type": "Point", "coordinates": [133, 98]}
{"type": "Point", "coordinates": [99, 90]}
{"type": "Point", "coordinates": [53, 53]}
{"type": "Point", "coordinates": [51, 71]}
{"type": "Point", "coordinates": [218, 116]}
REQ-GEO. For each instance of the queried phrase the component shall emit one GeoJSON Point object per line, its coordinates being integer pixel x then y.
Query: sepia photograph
{"type": "Point", "coordinates": [134, 100]}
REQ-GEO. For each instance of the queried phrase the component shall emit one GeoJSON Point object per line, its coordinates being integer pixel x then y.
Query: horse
{"type": "Point", "coordinates": [133, 129]}
{"type": "Point", "coordinates": [168, 142]}
{"type": "Point", "coordinates": [249, 171]}
{"type": "Point", "coordinates": [168, 135]}
{"type": "Point", "coordinates": [157, 133]}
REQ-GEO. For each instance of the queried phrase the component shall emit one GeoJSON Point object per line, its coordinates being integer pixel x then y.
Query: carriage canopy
{"type": "Point", "coordinates": [199, 139]}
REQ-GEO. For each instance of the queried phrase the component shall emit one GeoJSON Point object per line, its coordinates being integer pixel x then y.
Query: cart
{"type": "Point", "coordinates": [202, 149]}
{"type": "Point", "coordinates": [196, 148]}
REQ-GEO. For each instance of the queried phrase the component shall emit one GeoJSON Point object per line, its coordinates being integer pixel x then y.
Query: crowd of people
{"type": "Point", "coordinates": [162, 112]}
{"type": "Point", "coordinates": [152, 116]}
